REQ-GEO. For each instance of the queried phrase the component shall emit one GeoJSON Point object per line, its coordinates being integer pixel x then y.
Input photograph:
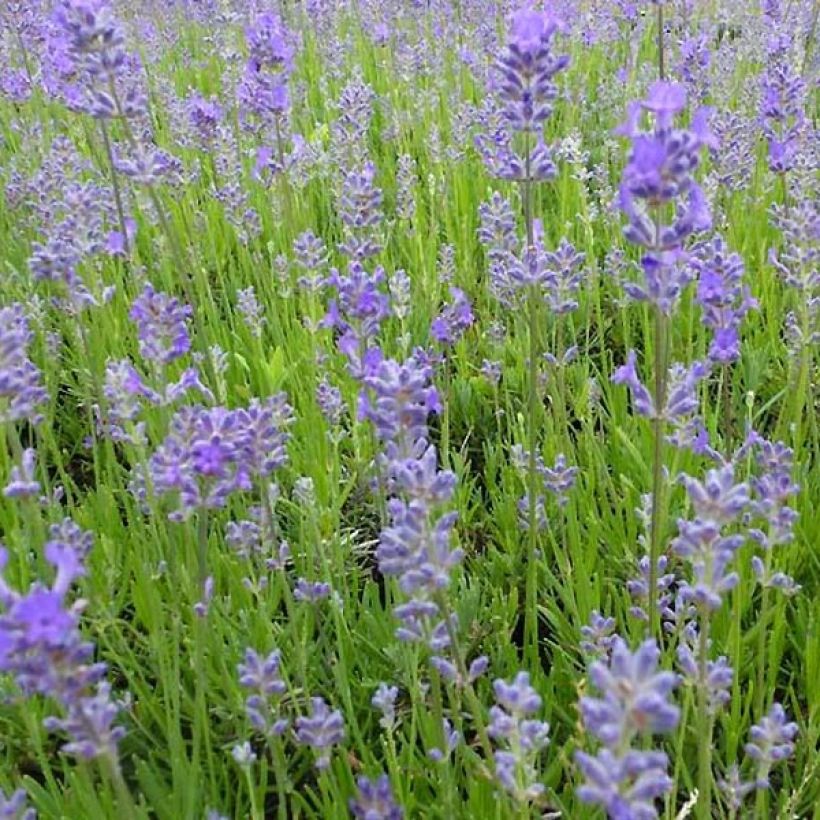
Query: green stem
{"type": "Point", "coordinates": [531, 594]}
{"type": "Point", "coordinates": [461, 665]}
{"type": "Point", "coordinates": [255, 813]}
{"type": "Point", "coordinates": [705, 725]}
{"type": "Point", "coordinates": [115, 184]}
{"type": "Point", "coordinates": [763, 626]}
{"type": "Point", "coordinates": [658, 480]}
{"type": "Point", "coordinates": [125, 800]}
{"type": "Point", "coordinates": [661, 56]}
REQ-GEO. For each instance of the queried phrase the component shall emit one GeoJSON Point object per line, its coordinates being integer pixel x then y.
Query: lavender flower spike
{"type": "Point", "coordinates": [322, 730]}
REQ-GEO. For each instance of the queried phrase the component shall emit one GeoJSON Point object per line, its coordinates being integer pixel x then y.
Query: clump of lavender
{"type": "Point", "coordinates": [771, 741]}
{"type": "Point", "coordinates": [360, 210]}
{"type": "Point", "coordinates": [162, 326]}
{"type": "Point", "coordinates": [772, 519]}
{"type": "Point", "coordinates": [210, 453]}
{"type": "Point", "coordinates": [13, 807]}
{"type": "Point", "coordinates": [262, 677]}
{"type": "Point", "coordinates": [512, 725]}
{"type": "Point", "coordinates": [263, 90]}
{"type": "Point", "coordinates": [557, 480]}
{"type": "Point", "coordinates": [21, 384]}
{"type": "Point", "coordinates": [797, 264]}
{"type": "Point", "coordinates": [416, 544]}
{"type": "Point", "coordinates": [783, 116]}
{"type": "Point", "coordinates": [524, 82]}
{"type": "Point", "coordinates": [633, 705]}
{"type": "Point", "coordinates": [717, 502]}
{"type": "Point", "coordinates": [251, 311]}
{"type": "Point", "coordinates": [455, 318]}
{"type": "Point", "coordinates": [375, 800]}
{"type": "Point", "coordinates": [321, 731]}
{"type": "Point", "coordinates": [42, 648]}
{"type": "Point", "coordinates": [357, 312]}
{"type": "Point", "coordinates": [658, 174]}
{"type": "Point", "coordinates": [723, 297]}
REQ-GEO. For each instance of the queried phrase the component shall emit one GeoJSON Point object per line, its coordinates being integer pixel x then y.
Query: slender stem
{"type": "Point", "coordinates": [727, 408]}
{"type": "Point", "coordinates": [125, 800]}
{"type": "Point", "coordinates": [201, 721]}
{"type": "Point", "coordinates": [115, 183]}
{"type": "Point", "coordinates": [255, 813]}
{"type": "Point", "coordinates": [763, 626]}
{"type": "Point", "coordinates": [658, 479]}
{"type": "Point", "coordinates": [704, 805]}
{"type": "Point", "coordinates": [461, 666]}
{"type": "Point", "coordinates": [661, 56]}
{"type": "Point", "coordinates": [531, 593]}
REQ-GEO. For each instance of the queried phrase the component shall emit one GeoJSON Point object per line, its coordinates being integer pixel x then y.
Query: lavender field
{"type": "Point", "coordinates": [409, 409]}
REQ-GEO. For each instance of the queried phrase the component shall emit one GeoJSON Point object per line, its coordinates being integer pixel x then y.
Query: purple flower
{"type": "Point", "coordinates": [626, 787]}
{"type": "Point", "coordinates": [523, 737]}
{"type": "Point", "coordinates": [357, 312]}
{"type": "Point", "coordinates": [262, 677]}
{"type": "Point", "coordinates": [454, 320]}
{"type": "Point", "coordinates": [385, 701]}
{"type": "Point", "coordinates": [402, 401]}
{"type": "Point", "coordinates": [770, 742]}
{"type": "Point", "coordinates": [13, 807]}
{"type": "Point", "coordinates": [204, 458]}
{"type": "Point", "coordinates": [89, 723]}
{"type": "Point", "coordinates": [628, 374]}
{"type": "Point", "coordinates": [420, 555]}
{"type": "Point", "coordinates": [719, 673]}
{"type": "Point", "coordinates": [526, 69]}
{"type": "Point", "coordinates": [360, 212]}
{"type": "Point", "coordinates": [265, 423]}
{"type": "Point", "coordinates": [42, 648]}
{"type": "Point", "coordinates": [723, 298]}
{"type": "Point", "coordinates": [162, 326]}
{"type": "Point", "coordinates": [22, 480]}
{"type": "Point", "coordinates": [638, 587]}
{"type": "Point", "coordinates": [252, 312]}
{"type": "Point", "coordinates": [321, 730]}
{"type": "Point", "coordinates": [633, 696]}
{"type": "Point", "coordinates": [598, 636]}
{"type": "Point", "coordinates": [204, 116]}
{"type": "Point", "coordinates": [375, 800]}
{"type": "Point", "coordinates": [21, 388]}
{"type": "Point", "coordinates": [659, 172]}
{"type": "Point", "coordinates": [311, 591]}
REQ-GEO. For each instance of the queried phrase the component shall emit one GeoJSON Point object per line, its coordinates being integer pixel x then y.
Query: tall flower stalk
{"type": "Point", "coordinates": [526, 88]}
{"type": "Point", "coordinates": [658, 175]}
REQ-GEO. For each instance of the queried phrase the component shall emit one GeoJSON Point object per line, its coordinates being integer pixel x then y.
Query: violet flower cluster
{"type": "Point", "coordinates": [357, 312]}
{"type": "Point", "coordinates": [723, 297]}
{"type": "Point", "coordinates": [557, 480]}
{"type": "Point", "coordinates": [632, 705]}
{"type": "Point", "coordinates": [95, 44]}
{"type": "Point", "coordinates": [263, 90]}
{"type": "Point", "coordinates": [321, 730]}
{"type": "Point", "coordinates": [659, 175]}
{"type": "Point", "coordinates": [771, 741]}
{"type": "Point", "coordinates": [162, 330]}
{"type": "Point", "coordinates": [22, 392]}
{"type": "Point", "coordinates": [375, 801]}
{"type": "Point", "coordinates": [42, 648]}
{"type": "Point", "coordinates": [210, 453]}
{"type": "Point", "coordinates": [14, 807]}
{"type": "Point", "coordinates": [520, 735]}
{"type": "Point", "coordinates": [416, 545]}
{"type": "Point", "coordinates": [262, 677]}
{"type": "Point", "coordinates": [525, 86]}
